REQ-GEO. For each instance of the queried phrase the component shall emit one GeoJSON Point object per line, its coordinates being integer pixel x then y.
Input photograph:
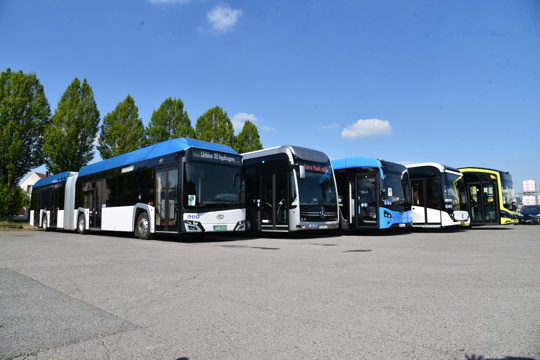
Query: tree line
{"type": "Point", "coordinates": [32, 136]}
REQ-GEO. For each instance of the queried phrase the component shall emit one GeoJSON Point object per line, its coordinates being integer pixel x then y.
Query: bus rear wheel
{"type": "Point", "coordinates": [81, 224]}
{"type": "Point", "coordinates": [44, 224]}
{"type": "Point", "coordinates": [142, 228]}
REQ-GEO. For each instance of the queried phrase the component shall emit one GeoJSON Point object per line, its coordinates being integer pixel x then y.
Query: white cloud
{"type": "Point", "coordinates": [239, 119]}
{"type": "Point", "coordinates": [332, 126]}
{"type": "Point", "coordinates": [367, 128]}
{"type": "Point", "coordinates": [168, 1]}
{"type": "Point", "coordinates": [222, 18]}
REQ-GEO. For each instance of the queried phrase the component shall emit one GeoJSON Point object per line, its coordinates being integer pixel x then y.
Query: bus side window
{"type": "Point", "coordinates": [417, 193]}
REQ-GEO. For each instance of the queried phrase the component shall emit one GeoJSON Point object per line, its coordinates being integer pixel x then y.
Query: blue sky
{"type": "Point", "coordinates": [455, 82]}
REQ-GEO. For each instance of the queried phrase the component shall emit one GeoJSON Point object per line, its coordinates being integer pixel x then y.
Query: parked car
{"type": "Point", "coordinates": [529, 214]}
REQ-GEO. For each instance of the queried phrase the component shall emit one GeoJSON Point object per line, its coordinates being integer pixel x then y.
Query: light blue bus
{"type": "Point", "coordinates": [373, 194]}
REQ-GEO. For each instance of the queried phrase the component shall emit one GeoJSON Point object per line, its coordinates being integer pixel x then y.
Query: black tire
{"type": "Point", "coordinates": [142, 227]}
{"type": "Point", "coordinates": [336, 232]}
{"type": "Point", "coordinates": [81, 224]}
{"type": "Point", "coordinates": [251, 227]}
{"type": "Point", "coordinates": [44, 224]}
{"type": "Point", "coordinates": [199, 236]}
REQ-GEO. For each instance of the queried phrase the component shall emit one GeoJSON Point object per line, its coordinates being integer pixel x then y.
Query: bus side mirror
{"type": "Point", "coordinates": [302, 171]}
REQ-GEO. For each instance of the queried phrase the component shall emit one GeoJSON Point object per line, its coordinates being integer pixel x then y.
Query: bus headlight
{"type": "Point", "coordinates": [240, 226]}
{"type": "Point", "coordinates": [387, 214]}
{"type": "Point", "coordinates": [192, 225]}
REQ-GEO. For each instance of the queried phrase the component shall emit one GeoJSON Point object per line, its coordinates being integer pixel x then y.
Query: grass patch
{"type": "Point", "coordinates": [14, 225]}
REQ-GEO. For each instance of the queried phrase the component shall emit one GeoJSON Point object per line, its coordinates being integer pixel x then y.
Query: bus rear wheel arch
{"type": "Point", "coordinates": [142, 227]}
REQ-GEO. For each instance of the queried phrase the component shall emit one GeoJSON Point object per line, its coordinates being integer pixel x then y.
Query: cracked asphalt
{"type": "Point", "coordinates": [471, 295]}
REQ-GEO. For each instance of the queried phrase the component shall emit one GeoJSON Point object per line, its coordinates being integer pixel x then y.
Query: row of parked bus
{"type": "Point", "coordinates": [186, 186]}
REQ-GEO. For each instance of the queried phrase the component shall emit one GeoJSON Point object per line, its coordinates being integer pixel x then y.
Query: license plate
{"type": "Point", "coordinates": [401, 225]}
{"type": "Point", "coordinates": [323, 226]}
{"type": "Point", "coordinates": [220, 227]}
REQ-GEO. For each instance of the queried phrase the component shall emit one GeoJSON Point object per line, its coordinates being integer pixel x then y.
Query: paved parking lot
{"type": "Point", "coordinates": [472, 295]}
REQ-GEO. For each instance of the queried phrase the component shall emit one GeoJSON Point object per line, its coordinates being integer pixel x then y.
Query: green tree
{"type": "Point", "coordinates": [24, 114]}
{"type": "Point", "coordinates": [248, 139]}
{"type": "Point", "coordinates": [69, 139]}
{"type": "Point", "coordinates": [12, 199]}
{"type": "Point", "coordinates": [122, 130]}
{"type": "Point", "coordinates": [170, 121]}
{"type": "Point", "coordinates": [215, 126]}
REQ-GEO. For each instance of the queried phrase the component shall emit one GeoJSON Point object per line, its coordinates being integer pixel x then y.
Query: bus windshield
{"type": "Point", "coordinates": [507, 191]}
{"type": "Point", "coordinates": [396, 188]}
{"type": "Point", "coordinates": [317, 190]}
{"type": "Point", "coordinates": [454, 195]}
{"type": "Point", "coordinates": [209, 185]}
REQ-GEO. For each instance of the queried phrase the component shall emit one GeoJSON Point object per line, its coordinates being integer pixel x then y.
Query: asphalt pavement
{"type": "Point", "coordinates": [468, 295]}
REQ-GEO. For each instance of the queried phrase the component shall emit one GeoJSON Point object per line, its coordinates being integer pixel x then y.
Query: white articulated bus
{"type": "Point", "coordinates": [439, 196]}
{"type": "Point", "coordinates": [177, 186]}
{"type": "Point", "coordinates": [289, 188]}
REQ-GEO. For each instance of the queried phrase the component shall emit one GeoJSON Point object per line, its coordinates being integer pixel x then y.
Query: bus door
{"type": "Point", "coordinates": [91, 202]}
{"type": "Point", "coordinates": [167, 199]}
{"type": "Point", "coordinates": [483, 203]}
{"type": "Point", "coordinates": [365, 213]}
{"type": "Point", "coordinates": [427, 201]}
{"type": "Point", "coordinates": [50, 204]}
{"type": "Point", "coordinates": [53, 221]}
{"type": "Point", "coordinates": [274, 205]}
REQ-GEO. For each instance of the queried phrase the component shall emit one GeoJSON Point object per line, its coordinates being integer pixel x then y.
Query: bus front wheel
{"type": "Point", "coordinates": [142, 228]}
{"type": "Point", "coordinates": [81, 224]}
{"type": "Point", "coordinates": [251, 226]}
{"type": "Point", "coordinates": [198, 236]}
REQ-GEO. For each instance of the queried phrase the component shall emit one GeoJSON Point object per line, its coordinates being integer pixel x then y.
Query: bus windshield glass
{"type": "Point", "coordinates": [318, 189]}
{"type": "Point", "coordinates": [396, 192]}
{"type": "Point", "coordinates": [454, 195]}
{"type": "Point", "coordinates": [209, 185]}
{"type": "Point", "coordinates": [507, 191]}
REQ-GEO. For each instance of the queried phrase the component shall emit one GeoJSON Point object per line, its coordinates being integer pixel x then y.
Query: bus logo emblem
{"type": "Point", "coordinates": [323, 213]}
{"type": "Point", "coordinates": [220, 217]}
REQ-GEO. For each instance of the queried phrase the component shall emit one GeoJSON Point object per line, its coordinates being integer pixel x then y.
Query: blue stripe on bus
{"type": "Point", "coordinates": [153, 151]}
{"type": "Point", "coordinates": [58, 178]}
{"type": "Point", "coordinates": [355, 162]}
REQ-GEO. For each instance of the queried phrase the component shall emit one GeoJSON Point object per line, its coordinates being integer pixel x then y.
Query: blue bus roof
{"type": "Point", "coordinates": [58, 178]}
{"type": "Point", "coordinates": [353, 162]}
{"type": "Point", "coordinates": [153, 151]}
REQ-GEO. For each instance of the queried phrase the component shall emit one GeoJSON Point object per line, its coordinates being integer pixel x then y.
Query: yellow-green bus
{"type": "Point", "coordinates": [491, 196]}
